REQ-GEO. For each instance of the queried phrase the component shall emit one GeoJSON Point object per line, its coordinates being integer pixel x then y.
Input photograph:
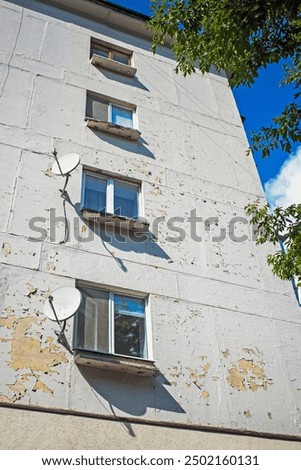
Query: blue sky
{"type": "Point", "coordinates": [258, 104]}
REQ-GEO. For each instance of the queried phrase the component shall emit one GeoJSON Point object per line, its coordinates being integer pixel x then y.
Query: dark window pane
{"type": "Point", "coordinates": [102, 52]}
{"type": "Point", "coordinates": [95, 194]}
{"type": "Point", "coordinates": [93, 321]}
{"type": "Point", "coordinates": [129, 335]}
{"type": "Point", "coordinates": [126, 199]}
{"type": "Point", "coordinates": [96, 108]}
{"type": "Point", "coordinates": [122, 58]}
{"type": "Point", "coordinates": [129, 324]}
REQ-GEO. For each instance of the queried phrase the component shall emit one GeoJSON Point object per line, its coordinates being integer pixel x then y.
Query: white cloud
{"type": "Point", "coordinates": [285, 188]}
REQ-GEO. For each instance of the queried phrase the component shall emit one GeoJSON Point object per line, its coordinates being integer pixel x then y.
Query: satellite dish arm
{"type": "Point", "coordinates": [65, 185]}
{"type": "Point", "coordinates": [61, 337]}
{"type": "Point", "coordinates": [50, 300]}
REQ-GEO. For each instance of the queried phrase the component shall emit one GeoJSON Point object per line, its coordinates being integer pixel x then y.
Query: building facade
{"type": "Point", "coordinates": [184, 339]}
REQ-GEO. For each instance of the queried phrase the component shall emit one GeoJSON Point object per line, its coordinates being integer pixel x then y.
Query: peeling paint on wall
{"type": "Point", "coordinates": [226, 353]}
{"type": "Point", "coordinates": [4, 399]}
{"type": "Point", "coordinates": [26, 352]}
{"type": "Point", "coordinates": [48, 172]}
{"type": "Point", "coordinates": [251, 351]}
{"type": "Point", "coordinates": [50, 266]}
{"type": "Point", "coordinates": [198, 376]}
{"type": "Point", "coordinates": [18, 389]}
{"type": "Point", "coordinates": [29, 358]}
{"type": "Point", "coordinates": [8, 321]}
{"type": "Point", "coordinates": [248, 375]}
{"type": "Point", "coordinates": [41, 386]}
{"type": "Point", "coordinates": [31, 290]}
{"type": "Point", "coordinates": [6, 249]}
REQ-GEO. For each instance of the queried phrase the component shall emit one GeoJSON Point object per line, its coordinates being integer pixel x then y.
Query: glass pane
{"type": "Point", "coordinates": [122, 58]}
{"type": "Point", "coordinates": [93, 321]}
{"type": "Point", "coordinates": [122, 116]}
{"type": "Point", "coordinates": [129, 306]}
{"type": "Point", "coordinates": [126, 199]}
{"type": "Point", "coordinates": [99, 51]}
{"type": "Point", "coordinates": [95, 193]}
{"type": "Point", "coordinates": [97, 109]}
{"type": "Point", "coordinates": [129, 325]}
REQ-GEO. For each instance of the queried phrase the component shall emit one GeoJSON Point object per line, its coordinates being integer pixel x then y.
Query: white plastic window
{"type": "Point", "coordinates": [101, 110]}
{"type": "Point", "coordinates": [112, 323]}
{"type": "Point", "coordinates": [109, 195]}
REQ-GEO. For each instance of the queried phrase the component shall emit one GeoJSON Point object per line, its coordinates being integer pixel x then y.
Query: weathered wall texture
{"type": "Point", "coordinates": [226, 333]}
{"type": "Point", "coordinates": [23, 429]}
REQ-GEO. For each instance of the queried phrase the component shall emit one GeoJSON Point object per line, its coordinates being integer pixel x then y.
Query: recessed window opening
{"type": "Point", "coordinates": [110, 322]}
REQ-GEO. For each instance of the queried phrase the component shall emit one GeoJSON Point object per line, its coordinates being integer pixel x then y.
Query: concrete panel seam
{"type": "Point", "coordinates": [14, 192]}
{"type": "Point", "coordinates": [12, 54]}
{"type": "Point", "coordinates": [43, 40]}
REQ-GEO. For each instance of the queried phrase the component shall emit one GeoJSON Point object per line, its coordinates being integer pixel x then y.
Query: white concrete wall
{"type": "Point", "coordinates": [226, 333]}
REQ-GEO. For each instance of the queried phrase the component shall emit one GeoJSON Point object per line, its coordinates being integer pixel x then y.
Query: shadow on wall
{"type": "Point", "coordinates": [131, 394]}
{"type": "Point", "coordinates": [140, 147]}
{"type": "Point", "coordinates": [127, 242]}
{"type": "Point", "coordinates": [130, 81]}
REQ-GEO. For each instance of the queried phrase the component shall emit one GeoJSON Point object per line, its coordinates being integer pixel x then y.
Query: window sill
{"type": "Point", "coordinates": [111, 128]}
{"type": "Point", "coordinates": [111, 362]}
{"type": "Point", "coordinates": [113, 65]}
{"type": "Point", "coordinates": [135, 225]}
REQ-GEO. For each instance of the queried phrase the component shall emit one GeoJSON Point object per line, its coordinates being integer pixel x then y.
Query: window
{"type": "Point", "coordinates": [114, 58]}
{"type": "Point", "coordinates": [102, 110]}
{"type": "Point", "coordinates": [109, 195]}
{"type": "Point", "coordinates": [109, 53]}
{"type": "Point", "coordinates": [111, 323]}
{"type": "Point", "coordinates": [111, 116]}
{"type": "Point", "coordinates": [121, 116]}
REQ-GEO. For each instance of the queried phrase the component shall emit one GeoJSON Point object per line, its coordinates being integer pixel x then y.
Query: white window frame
{"type": "Point", "coordinates": [110, 182]}
{"type": "Point", "coordinates": [133, 111]}
{"type": "Point", "coordinates": [103, 122]}
{"type": "Point", "coordinates": [147, 347]}
{"type": "Point", "coordinates": [110, 103]}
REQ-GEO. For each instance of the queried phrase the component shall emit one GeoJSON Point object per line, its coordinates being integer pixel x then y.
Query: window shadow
{"type": "Point", "coordinates": [139, 147]}
{"type": "Point", "coordinates": [123, 79]}
{"type": "Point", "coordinates": [129, 393]}
{"type": "Point", "coordinates": [115, 238]}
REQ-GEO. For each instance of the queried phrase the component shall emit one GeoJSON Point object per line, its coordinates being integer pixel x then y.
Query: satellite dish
{"type": "Point", "coordinates": [65, 164]}
{"type": "Point", "coordinates": [62, 304]}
